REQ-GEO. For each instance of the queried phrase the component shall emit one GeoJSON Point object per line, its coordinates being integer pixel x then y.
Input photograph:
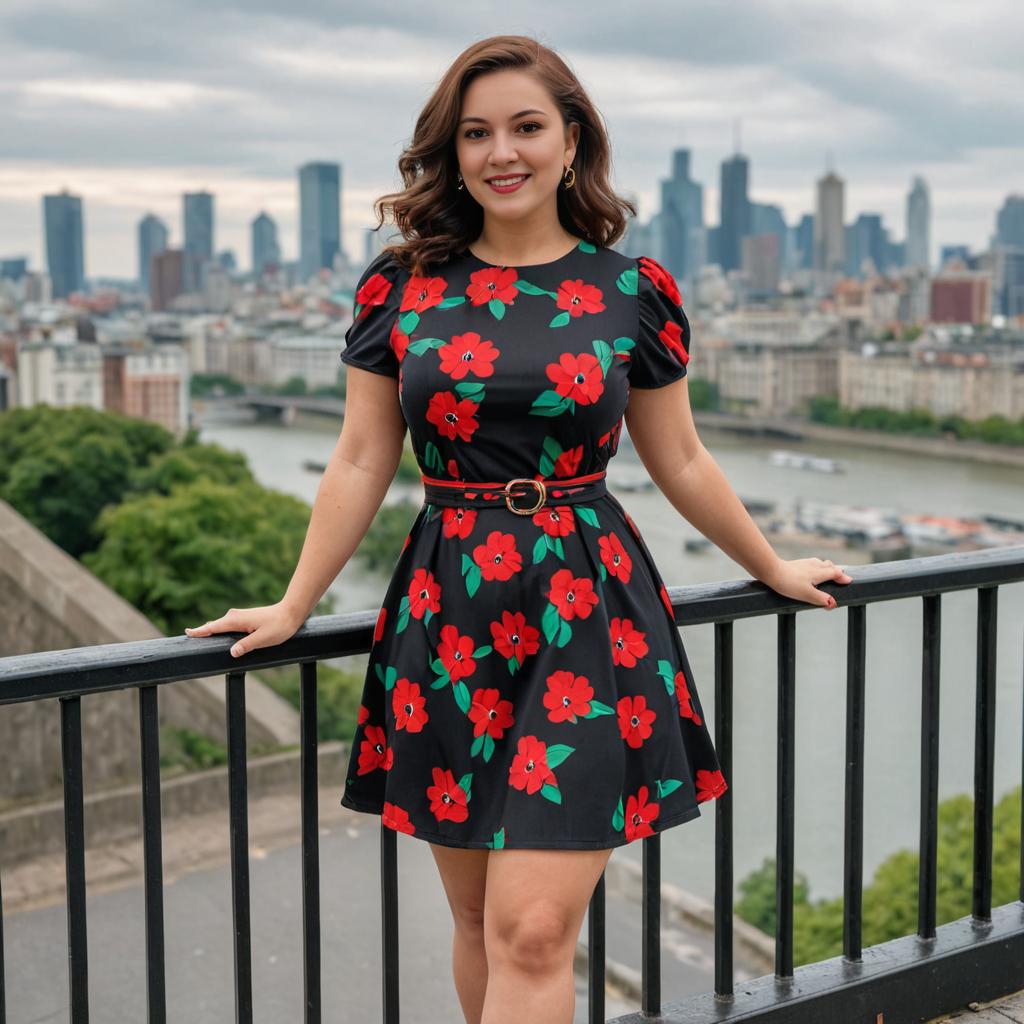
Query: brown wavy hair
{"type": "Point", "coordinates": [437, 219]}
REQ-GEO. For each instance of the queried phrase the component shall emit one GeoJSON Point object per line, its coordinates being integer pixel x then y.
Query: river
{"type": "Point", "coordinates": [894, 479]}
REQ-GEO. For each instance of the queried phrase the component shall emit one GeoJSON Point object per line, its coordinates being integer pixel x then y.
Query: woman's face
{"type": "Point", "coordinates": [509, 127]}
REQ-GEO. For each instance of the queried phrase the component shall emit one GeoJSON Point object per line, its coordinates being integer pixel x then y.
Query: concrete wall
{"type": "Point", "coordinates": [49, 601]}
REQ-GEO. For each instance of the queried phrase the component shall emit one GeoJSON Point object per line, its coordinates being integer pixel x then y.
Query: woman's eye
{"type": "Point", "coordinates": [527, 124]}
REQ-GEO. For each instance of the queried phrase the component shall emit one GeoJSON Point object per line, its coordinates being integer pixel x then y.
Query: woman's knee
{"type": "Point", "coordinates": [532, 938]}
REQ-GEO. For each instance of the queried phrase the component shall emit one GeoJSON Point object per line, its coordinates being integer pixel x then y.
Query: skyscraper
{"type": "Point", "coordinates": [829, 239]}
{"type": "Point", "coordinates": [152, 239]}
{"type": "Point", "coordinates": [319, 216]}
{"type": "Point", "coordinates": [734, 215]}
{"type": "Point", "coordinates": [265, 250]}
{"type": "Point", "coordinates": [197, 214]}
{"type": "Point", "coordinates": [918, 224]}
{"type": "Point", "coordinates": [65, 258]}
{"type": "Point", "coordinates": [682, 218]}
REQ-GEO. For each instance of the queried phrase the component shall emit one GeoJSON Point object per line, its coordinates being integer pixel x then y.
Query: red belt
{"type": "Point", "coordinates": [564, 490]}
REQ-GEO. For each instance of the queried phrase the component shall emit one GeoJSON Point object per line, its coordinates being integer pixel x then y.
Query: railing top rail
{"type": "Point", "coordinates": [102, 667]}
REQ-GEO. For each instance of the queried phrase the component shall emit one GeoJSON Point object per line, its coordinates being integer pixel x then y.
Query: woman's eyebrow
{"type": "Point", "coordinates": [522, 113]}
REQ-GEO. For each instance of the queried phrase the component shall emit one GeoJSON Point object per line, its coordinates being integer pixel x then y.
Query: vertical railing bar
{"type": "Point", "coordinates": [928, 839]}
{"type": "Point", "coordinates": [984, 752]}
{"type": "Point", "coordinates": [239, 826]}
{"type": "Point", "coordinates": [152, 854]}
{"type": "Point", "coordinates": [724, 970]}
{"type": "Point", "coordinates": [389, 921]}
{"type": "Point", "coordinates": [1021, 894]}
{"type": "Point", "coordinates": [596, 954]}
{"type": "Point", "coordinates": [310, 843]}
{"type": "Point", "coordinates": [74, 857]}
{"type": "Point", "coordinates": [853, 813]}
{"type": "Point", "coordinates": [650, 981]}
{"type": "Point", "coordinates": [3, 970]}
{"type": "Point", "coordinates": [786, 785]}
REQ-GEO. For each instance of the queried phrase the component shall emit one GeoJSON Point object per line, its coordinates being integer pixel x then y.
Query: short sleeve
{"type": "Point", "coordinates": [663, 334]}
{"type": "Point", "coordinates": [375, 310]}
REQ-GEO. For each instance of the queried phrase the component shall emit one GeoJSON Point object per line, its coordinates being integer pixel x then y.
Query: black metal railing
{"type": "Point", "coordinates": [915, 977]}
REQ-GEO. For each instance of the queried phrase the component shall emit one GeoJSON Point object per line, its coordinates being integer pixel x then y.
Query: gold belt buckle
{"type": "Point", "coordinates": [542, 493]}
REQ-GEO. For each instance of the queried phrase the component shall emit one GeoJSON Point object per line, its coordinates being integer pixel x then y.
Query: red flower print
{"type": "Point", "coordinates": [499, 558]}
{"type": "Point", "coordinates": [615, 557]}
{"type": "Point", "coordinates": [466, 354]}
{"type": "Point", "coordinates": [556, 521]}
{"type": "Point", "coordinates": [513, 638]}
{"type": "Point", "coordinates": [372, 294]}
{"type": "Point", "coordinates": [709, 784]}
{"type": "Point", "coordinates": [568, 696]}
{"type": "Point", "coordinates": [572, 595]}
{"type": "Point", "coordinates": [490, 714]}
{"type": "Point", "coordinates": [628, 644]}
{"type": "Point", "coordinates": [396, 818]}
{"type": "Point", "coordinates": [456, 653]}
{"type": "Point", "coordinates": [529, 769]}
{"type": "Point", "coordinates": [422, 293]}
{"type": "Point", "coordinates": [424, 594]}
{"type": "Point", "coordinates": [452, 416]}
{"type": "Point", "coordinates": [667, 601]}
{"type": "Point", "coordinates": [683, 694]}
{"type": "Point", "coordinates": [661, 279]}
{"type": "Point", "coordinates": [453, 470]}
{"type": "Point", "coordinates": [364, 714]}
{"type": "Point", "coordinates": [447, 798]}
{"type": "Point", "coordinates": [672, 336]}
{"type": "Point", "coordinates": [578, 377]}
{"type": "Point", "coordinates": [639, 815]}
{"type": "Point", "coordinates": [408, 706]}
{"type": "Point", "coordinates": [632, 525]}
{"type": "Point", "coordinates": [578, 298]}
{"type": "Point", "coordinates": [635, 719]}
{"type": "Point", "coordinates": [457, 522]}
{"type": "Point", "coordinates": [568, 463]}
{"type": "Point", "coordinates": [492, 283]}
{"type": "Point", "coordinates": [378, 629]}
{"type": "Point", "coordinates": [374, 751]}
{"type": "Point", "coordinates": [399, 341]}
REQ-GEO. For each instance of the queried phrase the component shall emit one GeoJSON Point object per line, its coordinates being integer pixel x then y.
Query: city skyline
{"type": "Point", "coordinates": [131, 120]}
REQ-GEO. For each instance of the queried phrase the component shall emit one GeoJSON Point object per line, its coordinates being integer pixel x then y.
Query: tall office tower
{"type": "Point", "coordinates": [682, 217]}
{"type": "Point", "coordinates": [266, 253]}
{"type": "Point", "coordinates": [65, 259]}
{"type": "Point", "coordinates": [828, 228]}
{"type": "Point", "coordinates": [918, 225]}
{"type": "Point", "coordinates": [197, 213]}
{"type": "Point", "coordinates": [865, 240]}
{"type": "Point", "coordinates": [167, 277]}
{"type": "Point", "coordinates": [767, 219]}
{"type": "Point", "coordinates": [152, 239]}
{"type": "Point", "coordinates": [1010, 221]}
{"type": "Point", "coordinates": [1008, 258]}
{"type": "Point", "coordinates": [805, 241]}
{"type": "Point", "coordinates": [734, 214]}
{"type": "Point", "coordinates": [319, 217]}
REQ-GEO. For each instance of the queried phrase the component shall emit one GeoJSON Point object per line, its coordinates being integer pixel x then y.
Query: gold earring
{"type": "Point", "coordinates": [460, 185]}
{"type": "Point", "coordinates": [569, 182]}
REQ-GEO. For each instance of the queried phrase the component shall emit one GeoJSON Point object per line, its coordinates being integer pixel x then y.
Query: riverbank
{"type": "Point", "coordinates": [804, 430]}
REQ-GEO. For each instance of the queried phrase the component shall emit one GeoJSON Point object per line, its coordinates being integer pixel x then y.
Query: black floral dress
{"type": "Point", "coordinates": [527, 685]}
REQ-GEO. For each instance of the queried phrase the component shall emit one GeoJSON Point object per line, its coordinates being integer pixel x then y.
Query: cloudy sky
{"type": "Point", "coordinates": [131, 103]}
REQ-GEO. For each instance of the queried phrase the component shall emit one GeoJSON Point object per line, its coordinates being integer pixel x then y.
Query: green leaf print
{"type": "Point", "coordinates": [477, 745]}
{"type": "Point", "coordinates": [482, 652]}
{"type": "Point", "coordinates": [619, 817]}
{"type": "Point", "coordinates": [556, 546]}
{"type": "Point", "coordinates": [432, 457]}
{"type": "Point", "coordinates": [513, 665]}
{"type": "Point", "coordinates": [497, 308]}
{"type": "Point", "coordinates": [623, 345]}
{"type": "Point", "coordinates": [666, 786]}
{"type": "Point", "coordinates": [498, 842]}
{"type": "Point", "coordinates": [551, 403]}
{"type": "Point", "coordinates": [553, 451]}
{"type": "Point", "coordinates": [408, 322]}
{"type": "Point", "coordinates": [532, 289]}
{"type": "Point", "coordinates": [597, 708]}
{"type": "Point", "coordinates": [437, 666]}
{"type": "Point", "coordinates": [455, 300]}
{"type": "Point", "coordinates": [421, 345]}
{"type": "Point", "coordinates": [379, 669]}
{"type": "Point", "coordinates": [465, 782]}
{"type": "Point", "coordinates": [588, 515]}
{"type": "Point", "coordinates": [588, 247]}
{"type": "Point", "coordinates": [564, 633]}
{"type": "Point", "coordinates": [390, 677]}
{"type": "Point", "coordinates": [604, 573]}
{"type": "Point", "coordinates": [403, 614]}
{"type": "Point", "coordinates": [667, 674]}
{"type": "Point", "coordinates": [561, 320]}
{"type": "Point", "coordinates": [552, 793]}
{"type": "Point", "coordinates": [462, 696]}
{"type": "Point", "coordinates": [603, 351]}
{"type": "Point", "coordinates": [557, 753]}
{"type": "Point", "coordinates": [549, 622]}
{"type": "Point", "coordinates": [471, 389]}
{"type": "Point", "coordinates": [540, 548]}
{"type": "Point", "coordinates": [472, 573]}
{"type": "Point", "coordinates": [628, 281]}
{"type": "Point", "coordinates": [488, 746]}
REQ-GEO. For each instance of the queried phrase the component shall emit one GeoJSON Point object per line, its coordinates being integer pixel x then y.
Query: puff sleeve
{"type": "Point", "coordinates": [369, 342]}
{"type": "Point", "coordinates": [662, 347]}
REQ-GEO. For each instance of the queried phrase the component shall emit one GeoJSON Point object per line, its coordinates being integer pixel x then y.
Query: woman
{"type": "Point", "coordinates": [528, 704]}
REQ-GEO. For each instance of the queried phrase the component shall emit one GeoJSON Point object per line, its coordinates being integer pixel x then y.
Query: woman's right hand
{"type": "Point", "coordinates": [266, 627]}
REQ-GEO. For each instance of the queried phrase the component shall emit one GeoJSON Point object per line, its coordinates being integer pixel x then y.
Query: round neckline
{"type": "Point", "coordinates": [523, 266]}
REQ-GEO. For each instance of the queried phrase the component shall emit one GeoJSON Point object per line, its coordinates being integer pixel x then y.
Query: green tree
{"type": "Point", "coordinates": [186, 557]}
{"type": "Point", "coordinates": [191, 462]}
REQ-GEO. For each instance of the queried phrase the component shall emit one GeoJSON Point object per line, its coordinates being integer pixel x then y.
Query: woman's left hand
{"type": "Point", "coordinates": [798, 577]}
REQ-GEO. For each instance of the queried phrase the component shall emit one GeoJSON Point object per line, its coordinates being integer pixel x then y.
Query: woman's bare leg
{"type": "Point", "coordinates": [464, 875]}
{"type": "Point", "coordinates": [535, 903]}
